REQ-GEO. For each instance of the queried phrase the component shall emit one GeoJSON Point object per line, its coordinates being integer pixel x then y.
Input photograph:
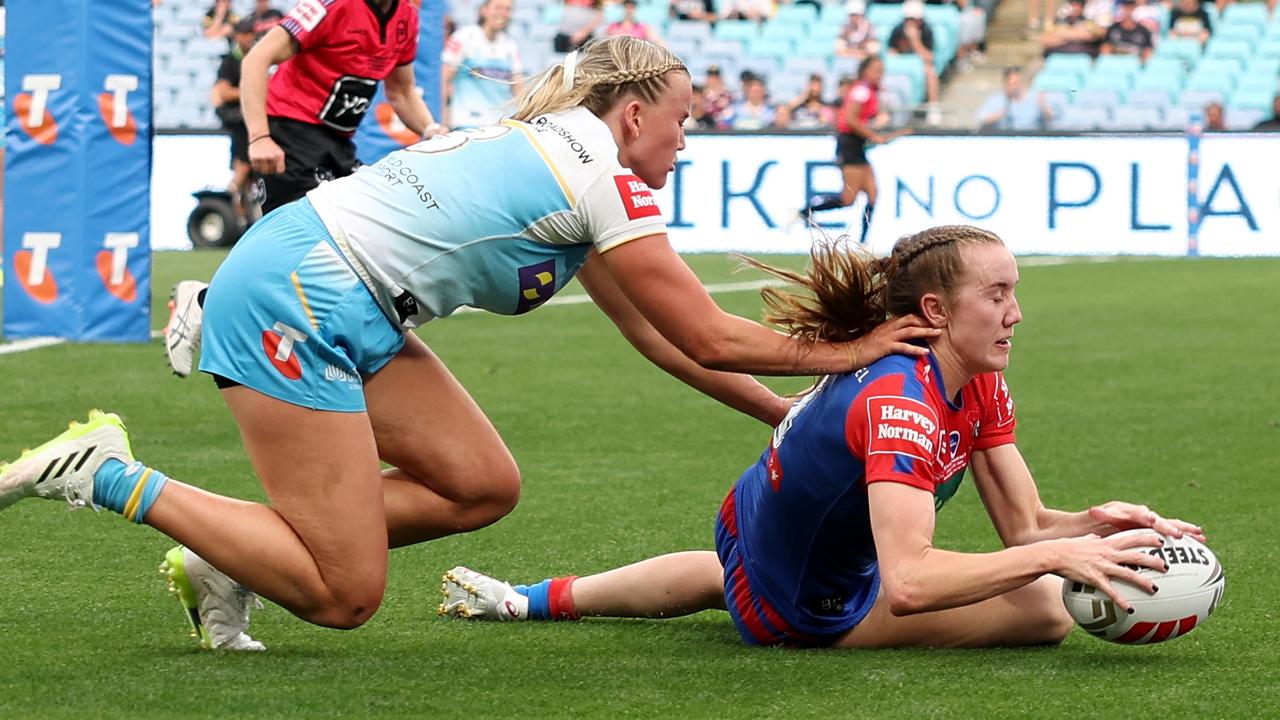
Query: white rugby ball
{"type": "Point", "coordinates": [1188, 594]}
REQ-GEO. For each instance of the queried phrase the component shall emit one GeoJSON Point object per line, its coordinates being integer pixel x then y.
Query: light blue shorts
{"type": "Point", "coordinates": [287, 316]}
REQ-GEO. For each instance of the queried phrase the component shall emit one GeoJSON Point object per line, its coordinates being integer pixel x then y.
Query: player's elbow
{"type": "Point", "coordinates": [709, 352]}
{"type": "Point", "coordinates": [904, 596]}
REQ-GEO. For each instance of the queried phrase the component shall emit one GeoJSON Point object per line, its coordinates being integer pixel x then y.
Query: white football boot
{"type": "Point", "coordinates": [63, 468]}
{"type": "Point", "coordinates": [469, 594]}
{"type": "Point", "coordinates": [182, 333]}
{"type": "Point", "coordinates": [216, 606]}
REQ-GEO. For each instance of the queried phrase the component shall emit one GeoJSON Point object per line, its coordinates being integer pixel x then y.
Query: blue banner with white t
{"type": "Point", "coordinates": [77, 253]}
{"type": "Point", "coordinates": [381, 132]}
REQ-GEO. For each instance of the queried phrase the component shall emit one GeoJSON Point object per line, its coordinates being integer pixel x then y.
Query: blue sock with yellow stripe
{"type": "Point", "coordinates": [130, 489]}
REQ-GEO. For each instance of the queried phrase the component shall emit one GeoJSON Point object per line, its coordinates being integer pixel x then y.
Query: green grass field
{"type": "Point", "coordinates": [1151, 381]}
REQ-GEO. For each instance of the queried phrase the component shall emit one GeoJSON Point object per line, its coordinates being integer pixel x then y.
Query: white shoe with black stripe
{"type": "Point", "coordinates": [63, 468]}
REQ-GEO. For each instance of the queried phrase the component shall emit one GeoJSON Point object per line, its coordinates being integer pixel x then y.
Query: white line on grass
{"type": "Point", "coordinates": [19, 346]}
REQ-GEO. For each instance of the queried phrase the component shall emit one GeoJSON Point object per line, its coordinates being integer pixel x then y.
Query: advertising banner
{"type": "Point", "coordinates": [77, 252]}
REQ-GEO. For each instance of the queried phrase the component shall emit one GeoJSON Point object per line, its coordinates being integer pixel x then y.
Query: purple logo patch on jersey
{"type": "Point", "coordinates": [537, 285]}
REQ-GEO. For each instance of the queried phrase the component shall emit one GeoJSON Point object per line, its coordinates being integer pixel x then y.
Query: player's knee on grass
{"type": "Point", "coordinates": [1046, 620]}
{"type": "Point", "coordinates": [347, 609]}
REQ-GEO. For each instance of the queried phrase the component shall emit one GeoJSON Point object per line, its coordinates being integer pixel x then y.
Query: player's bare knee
{"type": "Point", "coordinates": [1050, 622]}
{"type": "Point", "coordinates": [349, 611]}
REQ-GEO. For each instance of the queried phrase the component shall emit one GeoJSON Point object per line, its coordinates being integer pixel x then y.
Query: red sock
{"type": "Point", "coordinates": [560, 598]}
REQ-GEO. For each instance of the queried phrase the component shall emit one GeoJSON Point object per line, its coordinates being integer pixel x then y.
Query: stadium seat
{"type": "Point", "coordinates": [1254, 99]}
{"type": "Point", "coordinates": [1150, 98]}
{"type": "Point", "coordinates": [1098, 97]}
{"type": "Point", "coordinates": [777, 49]}
{"type": "Point", "coordinates": [722, 51]}
{"type": "Point", "coordinates": [1240, 118]}
{"type": "Point", "coordinates": [1166, 66]}
{"type": "Point", "coordinates": [695, 30]}
{"type": "Point", "coordinates": [901, 87]}
{"type": "Point", "coordinates": [910, 65]}
{"type": "Point", "coordinates": [813, 48]}
{"type": "Point", "coordinates": [1100, 79]}
{"type": "Point", "coordinates": [653, 15]}
{"type": "Point", "coordinates": [1260, 82]}
{"type": "Point", "coordinates": [801, 14]}
{"type": "Point", "coordinates": [883, 15]}
{"type": "Point", "coordinates": [1225, 48]}
{"type": "Point", "coordinates": [1268, 48]}
{"type": "Point", "coordinates": [1075, 63]}
{"type": "Point", "coordinates": [552, 13]}
{"type": "Point", "coordinates": [1244, 13]}
{"type": "Point", "coordinates": [1081, 118]}
{"type": "Point", "coordinates": [1222, 83]}
{"type": "Point", "coordinates": [1177, 118]}
{"type": "Point", "coordinates": [1187, 49]}
{"type": "Point", "coordinates": [1125, 65]}
{"type": "Point", "coordinates": [743, 31]}
{"type": "Point", "coordinates": [685, 48]}
{"type": "Point", "coordinates": [799, 63]}
{"type": "Point", "coordinates": [1063, 83]}
{"type": "Point", "coordinates": [793, 33]}
{"type": "Point", "coordinates": [1135, 118]}
{"type": "Point", "coordinates": [1239, 33]}
{"type": "Point", "coordinates": [833, 13]}
{"type": "Point", "coordinates": [1219, 66]}
{"type": "Point", "coordinates": [1194, 99]}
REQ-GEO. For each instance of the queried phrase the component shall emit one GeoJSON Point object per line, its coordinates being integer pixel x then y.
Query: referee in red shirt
{"type": "Point", "coordinates": [331, 54]}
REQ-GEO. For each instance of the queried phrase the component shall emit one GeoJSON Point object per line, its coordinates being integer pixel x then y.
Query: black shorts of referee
{"type": "Point", "coordinates": [311, 153]}
{"type": "Point", "coordinates": [851, 149]}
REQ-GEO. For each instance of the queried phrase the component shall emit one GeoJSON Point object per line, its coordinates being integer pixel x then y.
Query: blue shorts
{"type": "Point", "coordinates": [287, 316]}
{"type": "Point", "coordinates": [758, 621]}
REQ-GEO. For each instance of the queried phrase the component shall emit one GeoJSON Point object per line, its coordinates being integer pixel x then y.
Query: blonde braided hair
{"type": "Point", "coordinates": [605, 71]}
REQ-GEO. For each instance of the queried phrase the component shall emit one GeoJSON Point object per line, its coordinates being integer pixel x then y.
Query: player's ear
{"type": "Point", "coordinates": [632, 113]}
{"type": "Point", "coordinates": [934, 310]}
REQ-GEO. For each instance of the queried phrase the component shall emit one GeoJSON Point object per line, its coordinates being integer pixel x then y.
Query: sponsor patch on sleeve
{"type": "Point", "coordinates": [636, 197]}
{"type": "Point", "coordinates": [308, 13]}
{"type": "Point", "coordinates": [901, 426]}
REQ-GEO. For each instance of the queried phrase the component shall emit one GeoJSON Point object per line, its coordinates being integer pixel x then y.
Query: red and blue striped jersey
{"type": "Point", "coordinates": [802, 520]}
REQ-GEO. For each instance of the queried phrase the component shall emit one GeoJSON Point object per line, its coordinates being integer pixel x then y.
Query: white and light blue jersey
{"type": "Point", "coordinates": [485, 70]}
{"type": "Point", "coordinates": [497, 218]}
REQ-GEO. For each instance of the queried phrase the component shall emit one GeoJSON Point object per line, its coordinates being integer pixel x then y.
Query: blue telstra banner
{"type": "Point", "coordinates": [77, 245]}
{"type": "Point", "coordinates": [382, 132]}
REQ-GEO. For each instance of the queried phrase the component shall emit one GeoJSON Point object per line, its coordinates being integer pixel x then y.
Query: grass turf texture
{"type": "Point", "coordinates": [1153, 381]}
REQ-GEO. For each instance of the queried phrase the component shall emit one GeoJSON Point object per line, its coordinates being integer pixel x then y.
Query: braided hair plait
{"type": "Point", "coordinates": [929, 261]}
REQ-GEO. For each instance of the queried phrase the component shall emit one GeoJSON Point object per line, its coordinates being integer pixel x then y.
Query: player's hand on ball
{"type": "Point", "coordinates": [1127, 516]}
{"type": "Point", "coordinates": [1098, 561]}
{"type": "Point", "coordinates": [266, 157]}
{"type": "Point", "coordinates": [891, 336]}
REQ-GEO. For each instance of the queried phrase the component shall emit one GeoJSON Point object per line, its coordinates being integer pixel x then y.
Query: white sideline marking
{"type": "Point", "coordinates": [19, 346]}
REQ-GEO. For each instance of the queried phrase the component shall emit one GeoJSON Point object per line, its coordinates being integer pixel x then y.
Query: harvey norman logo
{"type": "Point", "coordinates": [636, 197]}
{"type": "Point", "coordinates": [902, 426]}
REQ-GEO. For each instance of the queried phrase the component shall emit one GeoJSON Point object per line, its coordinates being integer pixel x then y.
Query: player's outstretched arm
{"type": "Point", "coordinates": [402, 94]}
{"type": "Point", "coordinates": [1009, 493]}
{"type": "Point", "coordinates": [274, 48]}
{"type": "Point", "coordinates": [916, 577]}
{"type": "Point", "coordinates": [740, 392]}
{"type": "Point", "coordinates": [669, 296]}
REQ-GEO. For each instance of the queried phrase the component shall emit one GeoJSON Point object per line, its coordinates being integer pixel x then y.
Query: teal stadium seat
{"type": "Point", "coordinates": [807, 65]}
{"type": "Point", "coordinates": [744, 31]}
{"type": "Point", "coordinates": [823, 34]}
{"type": "Point", "coordinates": [1269, 47]}
{"type": "Point", "coordinates": [777, 49]}
{"type": "Point", "coordinates": [1221, 82]}
{"type": "Point", "coordinates": [1076, 63]}
{"type": "Point", "coordinates": [883, 15]}
{"type": "Point", "coordinates": [1254, 98]}
{"type": "Point", "coordinates": [1060, 83]}
{"type": "Point", "coordinates": [1150, 98]}
{"type": "Point", "coordinates": [1136, 118]}
{"type": "Point", "coordinates": [1125, 65]}
{"type": "Point", "coordinates": [1221, 48]}
{"type": "Point", "coordinates": [695, 30]}
{"type": "Point", "coordinates": [1194, 99]}
{"type": "Point", "coordinates": [1099, 97]}
{"type": "Point", "coordinates": [1101, 80]}
{"type": "Point", "coordinates": [1165, 65]}
{"type": "Point", "coordinates": [1266, 82]}
{"type": "Point", "coordinates": [1251, 13]}
{"type": "Point", "coordinates": [1219, 66]}
{"type": "Point", "coordinates": [833, 13]}
{"type": "Point", "coordinates": [791, 32]}
{"type": "Point", "coordinates": [1243, 33]}
{"type": "Point", "coordinates": [797, 14]}
{"type": "Point", "coordinates": [1187, 49]}
{"type": "Point", "coordinates": [909, 65]}
{"type": "Point", "coordinates": [654, 15]}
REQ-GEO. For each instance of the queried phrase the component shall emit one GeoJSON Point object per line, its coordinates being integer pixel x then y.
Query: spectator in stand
{"type": "Point", "coordinates": [972, 32]}
{"type": "Point", "coordinates": [754, 10]}
{"type": "Point", "coordinates": [1072, 33]}
{"type": "Point", "coordinates": [1189, 20]}
{"type": "Point", "coordinates": [857, 38]}
{"type": "Point", "coordinates": [1272, 124]}
{"type": "Point", "coordinates": [1015, 108]}
{"type": "Point", "coordinates": [1213, 118]}
{"type": "Point", "coordinates": [912, 36]}
{"type": "Point", "coordinates": [629, 25]}
{"type": "Point", "coordinates": [580, 20]}
{"type": "Point", "coordinates": [225, 98]}
{"type": "Point", "coordinates": [482, 69]}
{"type": "Point", "coordinates": [698, 118]}
{"type": "Point", "coordinates": [717, 98]}
{"type": "Point", "coordinates": [753, 112]}
{"type": "Point", "coordinates": [704, 10]}
{"type": "Point", "coordinates": [1147, 14]}
{"type": "Point", "coordinates": [810, 111]}
{"type": "Point", "coordinates": [264, 17]}
{"type": "Point", "coordinates": [1126, 36]}
{"type": "Point", "coordinates": [220, 22]}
